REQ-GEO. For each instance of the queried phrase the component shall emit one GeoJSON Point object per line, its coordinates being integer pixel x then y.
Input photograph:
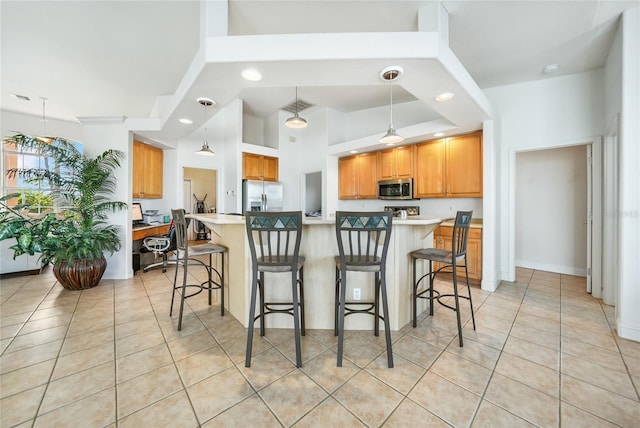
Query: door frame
{"type": "Point", "coordinates": [610, 223]}
{"type": "Point", "coordinates": [596, 262]}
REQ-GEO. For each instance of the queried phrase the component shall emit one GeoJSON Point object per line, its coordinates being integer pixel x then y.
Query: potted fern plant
{"type": "Point", "coordinates": [74, 235]}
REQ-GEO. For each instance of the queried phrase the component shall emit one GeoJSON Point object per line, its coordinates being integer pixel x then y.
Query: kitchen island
{"type": "Point", "coordinates": [319, 247]}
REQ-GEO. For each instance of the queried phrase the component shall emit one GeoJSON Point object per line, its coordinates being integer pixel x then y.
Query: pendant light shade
{"type": "Point", "coordinates": [391, 137]}
{"type": "Point", "coordinates": [295, 121]}
{"type": "Point", "coordinates": [205, 150]}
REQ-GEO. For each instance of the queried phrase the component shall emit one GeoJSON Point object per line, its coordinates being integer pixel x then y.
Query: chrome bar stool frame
{"type": "Point", "coordinates": [185, 255]}
{"type": "Point", "coordinates": [274, 242]}
{"type": "Point", "coordinates": [359, 240]}
{"type": "Point", "coordinates": [450, 260]}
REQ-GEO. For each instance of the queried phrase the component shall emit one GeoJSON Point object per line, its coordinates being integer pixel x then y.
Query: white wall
{"type": "Point", "coordinates": [627, 107]}
{"type": "Point", "coordinates": [554, 112]}
{"type": "Point", "coordinates": [551, 210]}
{"type": "Point", "coordinates": [308, 153]}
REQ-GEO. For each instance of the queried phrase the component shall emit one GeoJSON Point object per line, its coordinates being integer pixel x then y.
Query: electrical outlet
{"type": "Point", "coordinates": [356, 294]}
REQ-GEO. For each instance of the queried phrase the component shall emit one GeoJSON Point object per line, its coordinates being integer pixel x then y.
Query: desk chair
{"type": "Point", "coordinates": [160, 245]}
{"type": "Point", "coordinates": [363, 242]}
{"type": "Point", "coordinates": [451, 261]}
{"type": "Point", "coordinates": [185, 256]}
{"type": "Point", "coordinates": [274, 242]}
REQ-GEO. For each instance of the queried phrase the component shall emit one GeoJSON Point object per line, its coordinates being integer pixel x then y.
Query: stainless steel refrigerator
{"type": "Point", "coordinates": [261, 195]}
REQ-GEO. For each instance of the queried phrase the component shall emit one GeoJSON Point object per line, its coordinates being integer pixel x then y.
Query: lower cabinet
{"type": "Point", "coordinates": [442, 237]}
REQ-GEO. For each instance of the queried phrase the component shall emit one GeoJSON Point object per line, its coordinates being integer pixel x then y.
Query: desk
{"type": "Point", "coordinates": [153, 230]}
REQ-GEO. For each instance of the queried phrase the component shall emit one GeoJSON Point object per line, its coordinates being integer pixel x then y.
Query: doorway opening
{"type": "Point", "coordinates": [199, 194]}
{"type": "Point", "coordinates": [557, 211]}
{"type": "Point", "coordinates": [313, 194]}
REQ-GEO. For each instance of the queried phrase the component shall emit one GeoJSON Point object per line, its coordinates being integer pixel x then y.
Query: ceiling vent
{"type": "Point", "coordinates": [293, 108]}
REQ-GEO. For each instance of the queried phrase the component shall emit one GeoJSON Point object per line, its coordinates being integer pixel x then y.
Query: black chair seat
{"type": "Point", "coordinates": [360, 264]}
{"type": "Point", "coordinates": [436, 255]}
{"type": "Point", "coordinates": [284, 265]}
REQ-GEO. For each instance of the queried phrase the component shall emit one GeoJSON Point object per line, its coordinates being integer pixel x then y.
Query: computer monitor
{"type": "Point", "coordinates": [136, 212]}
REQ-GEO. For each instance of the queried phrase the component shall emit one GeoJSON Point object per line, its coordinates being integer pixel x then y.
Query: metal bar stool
{"type": "Point", "coordinates": [363, 241]}
{"type": "Point", "coordinates": [450, 259]}
{"type": "Point", "coordinates": [185, 255]}
{"type": "Point", "coordinates": [274, 242]}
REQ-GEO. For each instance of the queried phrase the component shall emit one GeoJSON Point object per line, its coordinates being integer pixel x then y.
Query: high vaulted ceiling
{"type": "Point", "coordinates": [125, 58]}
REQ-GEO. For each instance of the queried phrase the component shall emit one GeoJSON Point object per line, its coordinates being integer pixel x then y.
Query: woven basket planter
{"type": "Point", "coordinates": [82, 274]}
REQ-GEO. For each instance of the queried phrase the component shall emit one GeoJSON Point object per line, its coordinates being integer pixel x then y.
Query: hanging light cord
{"type": "Point", "coordinates": [205, 125]}
{"type": "Point", "coordinates": [390, 104]}
{"type": "Point", "coordinates": [44, 120]}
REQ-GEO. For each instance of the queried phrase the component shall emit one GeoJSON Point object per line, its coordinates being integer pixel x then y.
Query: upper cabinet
{"type": "Point", "coordinates": [464, 166]}
{"type": "Point", "coordinates": [430, 178]}
{"type": "Point", "coordinates": [357, 176]}
{"type": "Point", "coordinates": [147, 171]}
{"type": "Point", "coordinates": [449, 167]}
{"type": "Point", "coordinates": [259, 167]}
{"type": "Point", "coordinates": [396, 162]}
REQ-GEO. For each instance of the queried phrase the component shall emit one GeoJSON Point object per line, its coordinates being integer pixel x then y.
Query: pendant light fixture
{"type": "Point", "coordinates": [205, 150]}
{"type": "Point", "coordinates": [391, 137]}
{"type": "Point", "coordinates": [295, 121]}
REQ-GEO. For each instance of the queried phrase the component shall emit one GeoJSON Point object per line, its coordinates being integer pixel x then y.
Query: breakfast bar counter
{"type": "Point", "coordinates": [319, 247]}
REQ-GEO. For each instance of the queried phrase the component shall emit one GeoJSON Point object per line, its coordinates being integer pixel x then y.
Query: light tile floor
{"type": "Point", "coordinates": [544, 354]}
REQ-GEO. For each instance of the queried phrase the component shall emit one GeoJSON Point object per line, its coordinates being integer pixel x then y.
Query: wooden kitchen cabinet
{"type": "Point", "coordinates": [430, 177]}
{"type": "Point", "coordinates": [464, 166]}
{"type": "Point", "coordinates": [357, 176]}
{"type": "Point", "coordinates": [396, 162]}
{"type": "Point", "coordinates": [147, 171]}
{"type": "Point", "coordinates": [449, 167]}
{"type": "Point", "coordinates": [259, 167]}
{"type": "Point", "coordinates": [442, 237]}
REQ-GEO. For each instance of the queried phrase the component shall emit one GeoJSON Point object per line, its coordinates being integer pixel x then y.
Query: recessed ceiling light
{"type": "Point", "coordinates": [206, 101]}
{"type": "Point", "coordinates": [445, 96]}
{"type": "Point", "coordinates": [439, 134]}
{"type": "Point", "coordinates": [551, 68]}
{"type": "Point", "coordinates": [185, 121]}
{"type": "Point", "coordinates": [354, 151]}
{"type": "Point", "coordinates": [251, 74]}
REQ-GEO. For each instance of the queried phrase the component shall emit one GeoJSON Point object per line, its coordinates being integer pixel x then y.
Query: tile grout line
{"type": "Point", "coordinates": [48, 383]}
{"type": "Point", "coordinates": [155, 314]}
{"type": "Point", "coordinates": [493, 371]}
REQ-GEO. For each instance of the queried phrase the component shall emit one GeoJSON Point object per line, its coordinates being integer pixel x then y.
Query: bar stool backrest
{"type": "Point", "coordinates": [461, 233]}
{"type": "Point", "coordinates": [274, 238]}
{"type": "Point", "coordinates": [363, 238]}
{"type": "Point", "coordinates": [181, 225]}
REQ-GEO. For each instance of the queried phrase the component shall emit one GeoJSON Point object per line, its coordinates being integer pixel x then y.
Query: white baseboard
{"type": "Point", "coordinates": [566, 270]}
{"type": "Point", "coordinates": [628, 332]}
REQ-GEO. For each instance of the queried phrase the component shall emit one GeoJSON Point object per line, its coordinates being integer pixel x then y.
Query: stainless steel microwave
{"type": "Point", "coordinates": [401, 188]}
